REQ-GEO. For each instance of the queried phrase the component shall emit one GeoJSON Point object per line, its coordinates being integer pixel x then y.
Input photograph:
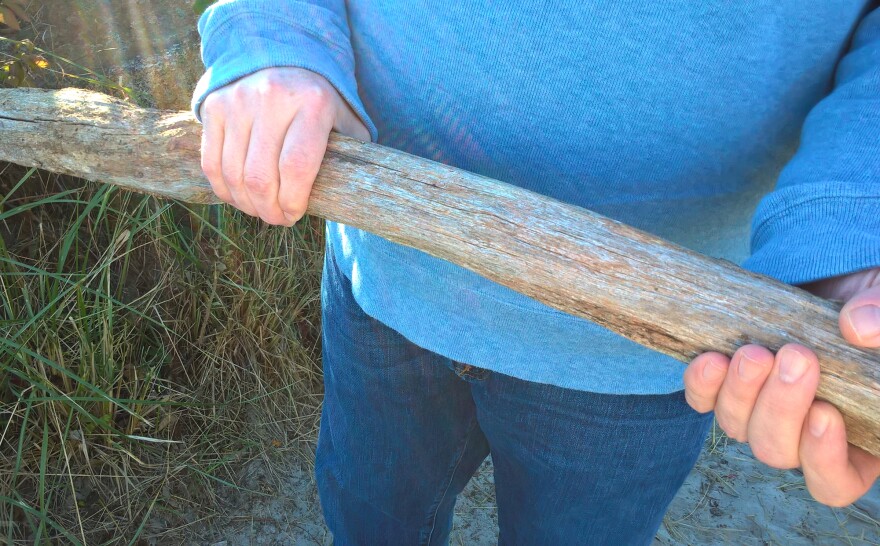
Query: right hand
{"type": "Point", "coordinates": [264, 138]}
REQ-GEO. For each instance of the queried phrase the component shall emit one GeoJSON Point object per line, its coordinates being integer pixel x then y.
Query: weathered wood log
{"type": "Point", "coordinates": [658, 294]}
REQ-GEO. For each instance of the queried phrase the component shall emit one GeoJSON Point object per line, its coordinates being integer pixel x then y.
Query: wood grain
{"type": "Point", "coordinates": [658, 294]}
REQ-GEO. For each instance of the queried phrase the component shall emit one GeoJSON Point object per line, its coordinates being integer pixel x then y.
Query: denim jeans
{"type": "Point", "coordinates": [404, 429]}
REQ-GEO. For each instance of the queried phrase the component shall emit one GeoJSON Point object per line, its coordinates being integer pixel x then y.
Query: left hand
{"type": "Point", "coordinates": [769, 400]}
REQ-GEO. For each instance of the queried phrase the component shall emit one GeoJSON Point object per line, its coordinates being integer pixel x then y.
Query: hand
{"type": "Point", "coordinates": [264, 138]}
{"type": "Point", "coordinates": [769, 401]}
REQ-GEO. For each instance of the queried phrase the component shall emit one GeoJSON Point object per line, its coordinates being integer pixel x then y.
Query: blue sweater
{"type": "Point", "coordinates": [678, 118]}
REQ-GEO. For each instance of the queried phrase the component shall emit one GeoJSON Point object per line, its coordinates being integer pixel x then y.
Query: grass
{"type": "Point", "coordinates": [147, 347]}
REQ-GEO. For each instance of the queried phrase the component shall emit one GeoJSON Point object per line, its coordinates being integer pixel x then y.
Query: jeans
{"type": "Point", "coordinates": [404, 429]}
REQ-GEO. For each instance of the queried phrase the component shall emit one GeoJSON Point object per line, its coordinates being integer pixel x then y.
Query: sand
{"type": "Point", "coordinates": [728, 498]}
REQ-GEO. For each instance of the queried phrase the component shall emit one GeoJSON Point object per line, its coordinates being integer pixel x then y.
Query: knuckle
{"type": "Point", "coordinates": [245, 209]}
{"type": "Point", "coordinates": [296, 165]}
{"type": "Point", "coordinates": [231, 178]}
{"type": "Point", "coordinates": [222, 193]}
{"type": "Point", "coordinates": [258, 183]}
{"type": "Point", "coordinates": [272, 86]}
{"type": "Point", "coordinates": [696, 402]}
{"type": "Point", "coordinates": [317, 96]}
{"type": "Point", "coordinates": [294, 212]}
{"type": "Point", "coordinates": [832, 500]}
{"type": "Point", "coordinates": [730, 426]}
{"type": "Point", "coordinates": [782, 408]}
{"type": "Point", "coordinates": [210, 169]}
{"type": "Point", "coordinates": [740, 397]}
{"type": "Point", "coordinates": [294, 203]}
{"type": "Point", "coordinates": [275, 221]}
{"type": "Point", "coordinates": [240, 92]}
{"type": "Point", "coordinates": [211, 104]}
{"type": "Point", "coordinates": [772, 456]}
{"type": "Point", "coordinates": [212, 173]}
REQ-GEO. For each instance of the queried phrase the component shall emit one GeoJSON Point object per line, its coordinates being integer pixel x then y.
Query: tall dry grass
{"type": "Point", "coordinates": [146, 347]}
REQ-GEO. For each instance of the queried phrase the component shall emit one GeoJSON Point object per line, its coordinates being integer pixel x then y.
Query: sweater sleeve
{"type": "Point", "coordinates": [823, 218]}
{"type": "Point", "coordinates": [240, 37]}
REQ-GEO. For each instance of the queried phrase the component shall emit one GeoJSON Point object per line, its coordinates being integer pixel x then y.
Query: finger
{"type": "Point", "coordinates": [300, 159]}
{"type": "Point", "coordinates": [842, 288]}
{"type": "Point", "coordinates": [261, 178]}
{"type": "Point", "coordinates": [860, 318]}
{"type": "Point", "coordinates": [702, 379]}
{"type": "Point", "coordinates": [775, 426]}
{"type": "Point", "coordinates": [235, 148]}
{"type": "Point", "coordinates": [212, 149]}
{"type": "Point", "coordinates": [348, 123]}
{"type": "Point", "coordinates": [750, 367]}
{"type": "Point", "coordinates": [836, 473]}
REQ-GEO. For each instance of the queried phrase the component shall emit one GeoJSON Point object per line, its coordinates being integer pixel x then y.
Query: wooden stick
{"type": "Point", "coordinates": [658, 294]}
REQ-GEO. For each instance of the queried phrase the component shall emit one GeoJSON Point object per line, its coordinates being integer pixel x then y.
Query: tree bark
{"type": "Point", "coordinates": [658, 294]}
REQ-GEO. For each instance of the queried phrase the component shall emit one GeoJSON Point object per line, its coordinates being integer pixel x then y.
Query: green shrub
{"type": "Point", "coordinates": [199, 6]}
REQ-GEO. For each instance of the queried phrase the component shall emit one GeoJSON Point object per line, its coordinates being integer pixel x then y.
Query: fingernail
{"type": "Point", "coordinates": [289, 218]}
{"type": "Point", "coordinates": [818, 423]}
{"type": "Point", "coordinates": [865, 322]}
{"type": "Point", "coordinates": [713, 371]}
{"type": "Point", "coordinates": [793, 366]}
{"type": "Point", "coordinates": [748, 368]}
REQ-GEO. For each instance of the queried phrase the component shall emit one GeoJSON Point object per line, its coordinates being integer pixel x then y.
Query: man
{"type": "Point", "coordinates": [675, 117]}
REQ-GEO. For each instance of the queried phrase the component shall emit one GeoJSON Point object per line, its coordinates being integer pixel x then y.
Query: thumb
{"type": "Point", "coordinates": [349, 123]}
{"type": "Point", "coordinates": [860, 318]}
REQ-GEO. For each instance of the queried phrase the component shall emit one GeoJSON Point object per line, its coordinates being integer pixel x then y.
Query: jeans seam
{"type": "Point", "coordinates": [433, 518]}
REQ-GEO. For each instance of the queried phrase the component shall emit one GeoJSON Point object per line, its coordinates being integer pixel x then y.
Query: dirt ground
{"type": "Point", "coordinates": [729, 498]}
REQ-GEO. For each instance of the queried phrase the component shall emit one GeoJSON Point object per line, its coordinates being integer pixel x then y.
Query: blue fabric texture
{"type": "Point", "coordinates": [403, 429]}
{"type": "Point", "coordinates": [675, 117]}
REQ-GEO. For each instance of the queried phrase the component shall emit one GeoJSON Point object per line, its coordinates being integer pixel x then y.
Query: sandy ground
{"type": "Point", "coordinates": [729, 498]}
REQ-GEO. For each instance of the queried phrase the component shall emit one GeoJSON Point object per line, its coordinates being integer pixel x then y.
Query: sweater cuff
{"type": "Point", "coordinates": [254, 40]}
{"type": "Point", "coordinates": [810, 232]}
